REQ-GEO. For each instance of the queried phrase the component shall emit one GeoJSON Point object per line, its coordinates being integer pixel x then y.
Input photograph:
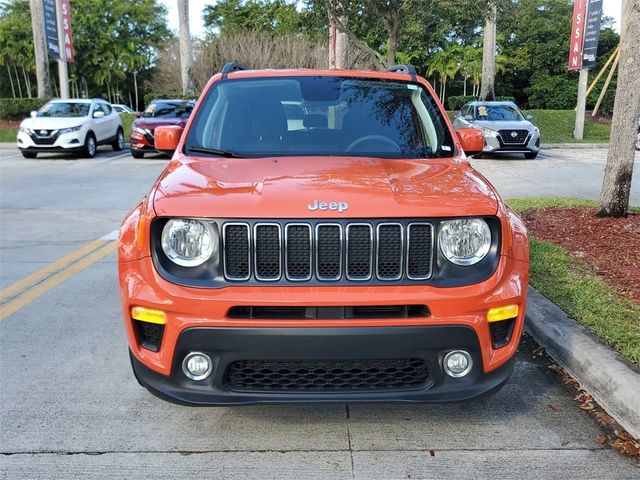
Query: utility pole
{"type": "Point", "coordinates": [186, 59]}
{"type": "Point", "coordinates": [63, 74]}
{"type": "Point", "coordinates": [40, 49]}
{"type": "Point", "coordinates": [578, 131]}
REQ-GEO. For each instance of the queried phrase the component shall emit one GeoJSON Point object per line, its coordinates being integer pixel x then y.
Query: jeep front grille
{"type": "Point", "coordinates": [356, 251]}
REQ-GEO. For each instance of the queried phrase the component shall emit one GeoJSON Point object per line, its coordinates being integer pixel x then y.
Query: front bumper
{"type": "Point", "coordinates": [65, 143]}
{"type": "Point", "coordinates": [228, 345]}
{"type": "Point", "coordinates": [495, 144]}
{"type": "Point", "coordinates": [198, 320]}
{"type": "Point", "coordinates": [142, 143]}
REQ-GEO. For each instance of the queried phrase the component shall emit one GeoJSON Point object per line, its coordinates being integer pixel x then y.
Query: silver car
{"type": "Point", "coordinates": [505, 129]}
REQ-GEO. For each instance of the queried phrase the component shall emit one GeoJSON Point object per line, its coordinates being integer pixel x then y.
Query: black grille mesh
{"type": "Point", "coordinates": [329, 251]}
{"type": "Point", "coordinates": [508, 138]}
{"type": "Point", "coordinates": [389, 251]}
{"type": "Point", "coordinates": [419, 263]}
{"type": "Point", "coordinates": [359, 252]}
{"type": "Point", "coordinates": [327, 375]}
{"type": "Point", "coordinates": [267, 251]}
{"type": "Point", "coordinates": [298, 252]}
{"type": "Point", "coordinates": [236, 248]}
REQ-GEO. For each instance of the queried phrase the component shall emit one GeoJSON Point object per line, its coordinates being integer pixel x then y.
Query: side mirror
{"type": "Point", "coordinates": [33, 113]}
{"type": "Point", "coordinates": [529, 117]}
{"type": "Point", "coordinates": [471, 139]}
{"type": "Point", "coordinates": [98, 114]}
{"type": "Point", "coordinates": [167, 138]}
{"type": "Point", "coordinates": [468, 118]}
{"type": "Point", "coordinates": [138, 114]}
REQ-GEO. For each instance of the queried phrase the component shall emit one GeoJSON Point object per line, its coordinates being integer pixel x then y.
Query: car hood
{"type": "Point", "coordinates": [284, 187]}
{"type": "Point", "coordinates": [152, 122]}
{"type": "Point", "coordinates": [504, 125]}
{"type": "Point", "coordinates": [52, 123]}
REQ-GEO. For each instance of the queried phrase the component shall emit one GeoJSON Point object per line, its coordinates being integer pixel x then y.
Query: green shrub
{"type": "Point", "coordinates": [19, 108]}
{"type": "Point", "coordinates": [553, 93]}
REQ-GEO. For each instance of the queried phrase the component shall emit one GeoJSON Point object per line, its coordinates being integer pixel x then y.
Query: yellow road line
{"type": "Point", "coordinates": [49, 270]}
{"type": "Point", "coordinates": [53, 281]}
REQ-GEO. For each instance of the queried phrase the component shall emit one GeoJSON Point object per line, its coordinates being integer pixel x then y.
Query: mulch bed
{"type": "Point", "coordinates": [9, 123]}
{"type": "Point", "coordinates": [611, 246]}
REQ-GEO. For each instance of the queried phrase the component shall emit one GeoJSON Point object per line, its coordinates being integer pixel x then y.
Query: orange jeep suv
{"type": "Point", "coordinates": [320, 236]}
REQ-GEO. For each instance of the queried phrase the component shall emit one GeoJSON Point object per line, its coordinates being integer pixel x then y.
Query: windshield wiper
{"type": "Point", "coordinates": [215, 151]}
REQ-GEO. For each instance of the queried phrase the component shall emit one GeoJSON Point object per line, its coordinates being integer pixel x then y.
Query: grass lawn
{"type": "Point", "coordinates": [556, 126]}
{"type": "Point", "coordinates": [585, 297]}
{"type": "Point", "coordinates": [8, 134]}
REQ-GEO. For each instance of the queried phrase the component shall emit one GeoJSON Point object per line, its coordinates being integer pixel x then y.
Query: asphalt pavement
{"type": "Point", "coordinates": [70, 407]}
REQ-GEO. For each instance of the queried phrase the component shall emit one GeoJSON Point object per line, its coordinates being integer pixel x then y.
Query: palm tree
{"type": "Point", "coordinates": [471, 67]}
{"type": "Point", "coordinates": [487, 91]}
{"type": "Point", "coordinates": [446, 63]}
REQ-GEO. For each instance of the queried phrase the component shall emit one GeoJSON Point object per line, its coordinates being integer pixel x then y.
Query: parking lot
{"type": "Point", "coordinates": [70, 406]}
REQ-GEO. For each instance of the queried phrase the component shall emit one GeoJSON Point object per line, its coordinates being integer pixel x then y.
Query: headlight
{"type": "Point", "coordinates": [465, 241]}
{"type": "Point", "coordinates": [25, 130]}
{"type": "Point", "coordinates": [188, 242]}
{"type": "Point", "coordinates": [488, 133]}
{"type": "Point", "coordinates": [70, 129]}
{"type": "Point", "coordinates": [139, 130]}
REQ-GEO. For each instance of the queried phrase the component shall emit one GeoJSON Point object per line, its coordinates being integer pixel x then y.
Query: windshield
{"type": "Point", "coordinates": [319, 115]}
{"type": "Point", "coordinates": [497, 113]}
{"type": "Point", "coordinates": [60, 109]}
{"type": "Point", "coordinates": [168, 110]}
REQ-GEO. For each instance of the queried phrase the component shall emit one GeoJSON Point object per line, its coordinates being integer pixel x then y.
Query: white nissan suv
{"type": "Point", "coordinates": [75, 126]}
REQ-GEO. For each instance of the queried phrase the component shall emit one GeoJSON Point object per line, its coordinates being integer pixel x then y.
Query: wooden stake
{"type": "Point", "coordinates": [606, 85]}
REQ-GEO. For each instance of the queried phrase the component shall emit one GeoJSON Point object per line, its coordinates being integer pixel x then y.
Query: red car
{"type": "Point", "coordinates": [159, 112]}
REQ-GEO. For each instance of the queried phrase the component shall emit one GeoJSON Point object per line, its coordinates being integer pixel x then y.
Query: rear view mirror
{"type": "Point", "coordinates": [468, 118]}
{"type": "Point", "coordinates": [529, 117]}
{"type": "Point", "coordinates": [138, 114]}
{"type": "Point", "coordinates": [471, 139]}
{"type": "Point", "coordinates": [33, 113]}
{"type": "Point", "coordinates": [98, 114]}
{"type": "Point", "coordinates": [167, 138]}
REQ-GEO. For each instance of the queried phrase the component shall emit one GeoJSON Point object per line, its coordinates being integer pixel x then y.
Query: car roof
{"type": "Point", "coordinates": [493, 102]}
{"type": "Point", "coordinates": [365, 74]}
{"type": "Point", "coordinates": [75, 100]}
{"type": "Point", "coordinates": [172, 100]}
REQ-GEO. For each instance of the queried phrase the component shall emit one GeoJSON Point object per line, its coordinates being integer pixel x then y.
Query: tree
{"type": "Point", "coordinates": [614, 196]}
{"type": "Point", "coordinates": [487, 89]}
{"type": "Point", "coordinates": [186, 58]}
{"type": "Point", "coordinates": [446, 63]}
{"type": "Point", "coordinates": [277, 17]}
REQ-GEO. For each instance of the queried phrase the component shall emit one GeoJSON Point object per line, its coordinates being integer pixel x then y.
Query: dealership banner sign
{"type": "Point", "coordinates": [591, 34]}
{"type": "Point", "coordinates": [51, 28]}
{"type": "Point", "coordinates": [585, 32]}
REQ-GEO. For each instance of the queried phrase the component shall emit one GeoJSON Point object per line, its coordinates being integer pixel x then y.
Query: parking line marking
{"type": "Point", "coordinates": [53, 281]}
{"type": "Point", "coordinates": [50, 269]}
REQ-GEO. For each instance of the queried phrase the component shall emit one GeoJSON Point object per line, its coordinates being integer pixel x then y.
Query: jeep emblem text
{"type": "Point", "coordinates": [339, 206]}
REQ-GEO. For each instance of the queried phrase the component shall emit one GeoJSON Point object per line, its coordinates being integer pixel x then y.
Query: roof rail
{"type": "Point", "coordinates": [408, 69]}
{"type": "Point", "coordinates": [231, 67]}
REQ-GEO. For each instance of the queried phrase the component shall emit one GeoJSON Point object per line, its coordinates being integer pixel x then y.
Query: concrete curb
{"type": "Point", "coordinates": [612, 381]}
{"type": "Point", "coordinates": [573, 146]}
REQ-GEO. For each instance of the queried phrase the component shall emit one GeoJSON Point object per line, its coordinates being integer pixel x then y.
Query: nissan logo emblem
{"type": "Point", "coordinates": [514, 134]}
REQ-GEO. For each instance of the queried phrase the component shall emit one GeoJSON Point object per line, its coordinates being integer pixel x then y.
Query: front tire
{"type": "Point", "coordinates": [90, 145]}
{"type": "Point", "coordinates": [530, 155]}
{"type": "Point", "coordinates": [137, 154]}
{"type": "Point", "coordinates": [29, 154]}
{"type": "Point", "coordinates": [118, 143]}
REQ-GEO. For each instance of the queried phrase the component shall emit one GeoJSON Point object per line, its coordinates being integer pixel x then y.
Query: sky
{"type": "Point", "coordinates": [611, 8]}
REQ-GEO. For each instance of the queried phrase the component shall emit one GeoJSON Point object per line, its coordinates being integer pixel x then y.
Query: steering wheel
{"type": "Point", "coordinates": [373, 138]}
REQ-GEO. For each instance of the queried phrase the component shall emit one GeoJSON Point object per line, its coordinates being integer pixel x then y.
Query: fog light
{"type": "Point", "coordinates": [197, 366]}
{"type": "Point", "coordinates": [457, 363]}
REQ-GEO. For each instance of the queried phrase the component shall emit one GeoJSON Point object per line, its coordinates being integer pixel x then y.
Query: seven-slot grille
{"type": "Point", "coordinates": [508, 137]}
{"type": "Point", "coordinates": [327, 252]}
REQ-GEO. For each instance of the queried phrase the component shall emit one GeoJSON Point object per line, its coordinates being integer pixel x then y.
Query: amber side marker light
{"type": "Point", "coordinates": [497, 314]}
{"type": "Point", "coordinates": [149, 315]}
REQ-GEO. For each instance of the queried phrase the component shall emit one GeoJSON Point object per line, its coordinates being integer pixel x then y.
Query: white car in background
{"type": "Point", "coordinates": [74, 126]}
{"type": "Point", "coordinates": [120, 108]}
